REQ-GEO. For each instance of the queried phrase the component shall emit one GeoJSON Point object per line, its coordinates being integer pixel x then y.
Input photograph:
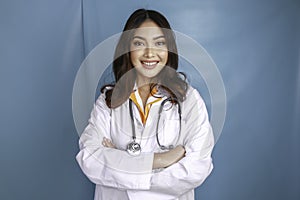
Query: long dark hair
{"type": "Point", "coordinates": [171, 81]}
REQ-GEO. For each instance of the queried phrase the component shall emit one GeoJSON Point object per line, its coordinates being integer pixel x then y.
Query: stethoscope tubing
{"type": "Point", "coordinates": [162, 147]}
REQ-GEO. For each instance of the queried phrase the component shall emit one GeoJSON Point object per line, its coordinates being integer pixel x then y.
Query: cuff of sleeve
{"type": "Point", "coordinates": [141, 178]}
{"type": "Point", "coordinates": [112, 168]}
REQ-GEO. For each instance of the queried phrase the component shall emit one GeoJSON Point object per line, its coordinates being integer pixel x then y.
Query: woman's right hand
{"type": "Point", "coordinates": [168, 158]}
{"type": "Point", "coordinates": [108, 143]}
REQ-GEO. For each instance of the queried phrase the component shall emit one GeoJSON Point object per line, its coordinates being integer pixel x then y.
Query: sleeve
{"type": "Point", "coordinates": [192, 170]}
{"type": "Point", "coordinates": [107, 166]}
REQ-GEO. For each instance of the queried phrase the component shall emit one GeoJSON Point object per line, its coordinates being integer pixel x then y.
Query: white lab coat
{"type": "Point", "coordinates": [119, 176]}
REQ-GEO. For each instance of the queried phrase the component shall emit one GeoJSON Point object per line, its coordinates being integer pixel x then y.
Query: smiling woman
{"type": "Point", "coordinates": [149, 55]}
{"type": "Point", "coordinates": [148, 135]}
{"type": "Point", "coordinates": [149, 52]}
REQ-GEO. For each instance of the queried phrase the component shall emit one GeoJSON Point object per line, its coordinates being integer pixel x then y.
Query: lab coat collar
{"type": "Point", "coordinates": [161, 93]}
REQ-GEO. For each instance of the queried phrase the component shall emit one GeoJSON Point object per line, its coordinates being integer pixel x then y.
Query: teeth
{"type": "Point", "coordinates": [149, 63]}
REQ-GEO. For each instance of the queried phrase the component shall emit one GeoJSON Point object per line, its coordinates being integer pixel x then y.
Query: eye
{"type": "Point", "coordinates": [138, 43]}
{"type": "Point", "coordinates": [160, 43]}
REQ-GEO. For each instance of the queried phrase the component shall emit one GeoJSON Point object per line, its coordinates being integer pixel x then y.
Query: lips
{"type": "Point", "coordinates": [149, 64]}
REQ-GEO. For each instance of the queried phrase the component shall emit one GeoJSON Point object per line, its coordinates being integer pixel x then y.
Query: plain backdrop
{"type": "Point", "coordinates": [255, 45]}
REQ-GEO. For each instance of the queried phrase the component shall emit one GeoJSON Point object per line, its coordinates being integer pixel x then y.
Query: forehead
{"type": "Point", "coordinates": [148, 29]}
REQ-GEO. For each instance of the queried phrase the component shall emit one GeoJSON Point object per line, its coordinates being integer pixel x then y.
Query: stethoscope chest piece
{"type": "Point", "coordinates": [134, 148]}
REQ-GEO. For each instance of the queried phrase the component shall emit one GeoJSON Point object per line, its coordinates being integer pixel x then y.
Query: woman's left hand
{"type": "Point", "coordinates": [168, 158]}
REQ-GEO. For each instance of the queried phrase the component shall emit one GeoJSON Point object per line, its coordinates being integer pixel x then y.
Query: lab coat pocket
{"type": "Point", "coordinates": [169, 135]}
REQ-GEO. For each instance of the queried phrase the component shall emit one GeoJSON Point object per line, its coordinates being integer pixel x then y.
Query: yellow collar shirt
{"type": "Point", "coordinates": [137, 100]}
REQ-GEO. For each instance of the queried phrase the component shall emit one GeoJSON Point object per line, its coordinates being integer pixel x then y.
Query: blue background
{"type": "Point", "coordinates": [254, 43]}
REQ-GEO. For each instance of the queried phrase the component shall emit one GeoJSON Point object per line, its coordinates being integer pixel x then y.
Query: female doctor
{"type": "Point", "coordinates": [149, 135]}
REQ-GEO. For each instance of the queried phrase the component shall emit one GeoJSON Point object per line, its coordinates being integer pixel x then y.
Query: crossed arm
{"type": "Point", "coordinates": [160, 160]}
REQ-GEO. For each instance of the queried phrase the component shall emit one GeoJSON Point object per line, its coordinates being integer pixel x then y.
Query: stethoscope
{"type": "Point", "coordinates": [134, 148]}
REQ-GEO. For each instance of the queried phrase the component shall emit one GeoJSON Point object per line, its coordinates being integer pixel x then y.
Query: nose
{"type": "Point", "coordinates": [149, 52]}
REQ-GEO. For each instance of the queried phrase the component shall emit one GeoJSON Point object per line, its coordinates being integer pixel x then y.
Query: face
{"type": "Point", "coordinates": [149, 52]}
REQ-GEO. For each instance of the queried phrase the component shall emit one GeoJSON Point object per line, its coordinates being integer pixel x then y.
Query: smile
{"type": "Point", "coordinates": [149, 64]}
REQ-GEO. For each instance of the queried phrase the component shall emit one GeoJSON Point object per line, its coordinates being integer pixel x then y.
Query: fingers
{"type": "Point", "coordinates": [107, 143]}
{"type": "Point", "coordinates": [180, 148]}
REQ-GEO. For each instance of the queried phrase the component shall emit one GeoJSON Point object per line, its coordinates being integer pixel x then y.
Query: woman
{"type": "Point", "coordinates": [149, 135]}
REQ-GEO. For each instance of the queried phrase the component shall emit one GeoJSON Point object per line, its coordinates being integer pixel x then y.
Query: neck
{"type": "Point", "coordinates": [143, 84]}
{"type": "Point", "coordinates": [144, 89]}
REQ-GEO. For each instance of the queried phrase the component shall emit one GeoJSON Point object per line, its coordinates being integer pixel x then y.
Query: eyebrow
{"type": "Point", "coordinates": [155, 38]}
